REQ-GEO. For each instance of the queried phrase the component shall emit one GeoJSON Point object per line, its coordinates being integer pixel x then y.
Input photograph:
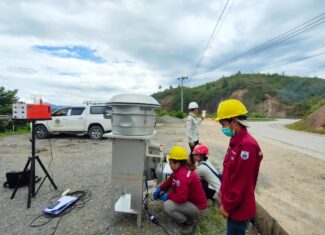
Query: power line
{"type": "Point", "coordinates": [296, 33]}
{"type": "Point", "coordinates": [223, 20]}
{"type": "Point", "coordinates": [296, 60]}
{"type": "Point", "coordinates": [312, 23]}
{"type": "Point", "coordinates": [209, 41]}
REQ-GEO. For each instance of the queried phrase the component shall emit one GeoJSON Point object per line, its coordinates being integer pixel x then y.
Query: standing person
{"type": "Point", "coordinates": [240, 168]}
{"type": "Point", "coordinates": [209, 176]}
{"type": "Point", "coordinates": [192, 130]}
{"type": "Point", "coordinates": [185, 200]}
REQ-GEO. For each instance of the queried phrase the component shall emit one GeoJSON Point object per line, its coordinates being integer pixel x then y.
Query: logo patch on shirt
{"type": "Point", "coordinates": [244, 155]}
{"type": "Point", "coordinates": [177, 183]}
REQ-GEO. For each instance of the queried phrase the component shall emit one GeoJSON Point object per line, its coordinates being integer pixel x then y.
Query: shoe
{"type": "Point", "coordinates": [188, 221]}
{"type": "Point", "coordinates": [187, 229]}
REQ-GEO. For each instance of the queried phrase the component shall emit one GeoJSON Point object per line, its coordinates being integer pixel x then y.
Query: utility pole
{"type": "Point", "coordinates": [182, 79]}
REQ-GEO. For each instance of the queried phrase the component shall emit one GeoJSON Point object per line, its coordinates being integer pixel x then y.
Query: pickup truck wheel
{"type": "Point", "coordinates": [41, 132]}
{"type": "Point", "coordinates": [96, 132]}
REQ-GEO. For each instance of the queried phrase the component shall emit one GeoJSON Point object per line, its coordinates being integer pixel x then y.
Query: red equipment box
{"type": "Point", "coordinates": [32, 111]}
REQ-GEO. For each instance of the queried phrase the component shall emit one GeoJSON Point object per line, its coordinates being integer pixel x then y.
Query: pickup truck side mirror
{"type": "Point", "coordinates": [108, 112]}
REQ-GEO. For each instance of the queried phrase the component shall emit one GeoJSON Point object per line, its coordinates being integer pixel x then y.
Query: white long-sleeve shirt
{"type": "Point", "coordinates": [192, 130]}
{"type": "Point", "coordinates": [205, 173]}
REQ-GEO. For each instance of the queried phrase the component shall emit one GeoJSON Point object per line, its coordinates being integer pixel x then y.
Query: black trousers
{"type": "Point", "coordinates": [209, 193]}
{"type": "Point", "coordinates": [192, 148]}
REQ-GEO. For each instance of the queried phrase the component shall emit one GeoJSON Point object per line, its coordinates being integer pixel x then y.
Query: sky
{"type": "Point", "coordinates": [72, 51]}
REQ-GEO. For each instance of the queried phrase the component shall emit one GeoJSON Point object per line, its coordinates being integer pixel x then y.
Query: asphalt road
{"type": "Point", "coordinates": [275, 131]}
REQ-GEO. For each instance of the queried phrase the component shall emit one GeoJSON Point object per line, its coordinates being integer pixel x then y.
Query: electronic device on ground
{"type": "Point", "coordinates": [57, 207]}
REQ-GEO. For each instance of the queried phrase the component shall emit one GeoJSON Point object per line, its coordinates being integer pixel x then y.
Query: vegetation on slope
{"type": "Point", "coordinates": [265, 94]}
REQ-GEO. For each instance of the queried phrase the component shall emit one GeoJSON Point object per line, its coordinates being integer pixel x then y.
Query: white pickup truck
{"type": "Point", "coordinates": [88, 119]}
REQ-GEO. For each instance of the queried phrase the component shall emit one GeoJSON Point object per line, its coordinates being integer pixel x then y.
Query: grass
{"type": "Point", "coordinates": [211, 222]}
{"type": "Point", "coordinates": [301, 126]}
{"type": "Point", "coordinates": [17, 132]}
{"type": "Point", "coordinates": [261, 119]}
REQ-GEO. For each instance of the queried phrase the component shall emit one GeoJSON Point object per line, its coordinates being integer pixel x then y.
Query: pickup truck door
{"type": "Point", "coordinates": [59, 120]}
{"type": "Point", "coordinates": [77, 119]}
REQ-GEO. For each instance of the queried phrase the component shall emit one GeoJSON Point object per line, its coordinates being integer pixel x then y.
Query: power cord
{"type": "Point", "coordinates": [83, 197]}
{"type": "Point", "coordinates": [145, 202]}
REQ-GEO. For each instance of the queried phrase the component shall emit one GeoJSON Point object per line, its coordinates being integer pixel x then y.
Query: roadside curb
{"type": "Point", "coordinates": [266, 224]}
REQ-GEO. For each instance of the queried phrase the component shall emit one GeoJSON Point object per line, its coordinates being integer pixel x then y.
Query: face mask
{"type": "Point", "coordinates": [227, 131]}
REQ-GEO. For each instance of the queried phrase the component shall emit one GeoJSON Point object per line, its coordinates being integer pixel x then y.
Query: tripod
{"type": "Point", "coordinates": [31, 161]}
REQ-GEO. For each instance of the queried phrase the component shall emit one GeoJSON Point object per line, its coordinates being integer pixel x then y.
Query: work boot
{"type": "Point", "coordinates": [188, 227]}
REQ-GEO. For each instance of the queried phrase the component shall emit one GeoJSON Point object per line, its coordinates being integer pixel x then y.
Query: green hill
{"type": "Point", "coordinates": [271, 95]}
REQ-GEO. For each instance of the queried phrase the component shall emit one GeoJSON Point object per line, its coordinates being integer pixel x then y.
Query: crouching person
{"type": "Point", "coordinates": [209, 176]}
{"type": "Point", "coordinates": [183, 195]}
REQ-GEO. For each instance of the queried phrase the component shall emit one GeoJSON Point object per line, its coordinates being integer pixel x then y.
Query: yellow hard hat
{"type": "Point", "coordinates": [229, 109]}
{"type": "Point", "coordinates": [177, 153]}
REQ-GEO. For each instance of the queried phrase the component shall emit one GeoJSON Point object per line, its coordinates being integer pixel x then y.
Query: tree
{"type": "Point", "coordinates": [7, 98]}
{"type": "Point", "coordinates": [224, 83]}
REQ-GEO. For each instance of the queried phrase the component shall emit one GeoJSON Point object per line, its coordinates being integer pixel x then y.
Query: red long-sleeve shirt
{"type": "Point", "coordinates": [186, 186]}
{"type": "Point", "coordinates": [240, 171]}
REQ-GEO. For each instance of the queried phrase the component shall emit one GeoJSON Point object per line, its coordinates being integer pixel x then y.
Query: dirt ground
{"type": "Point", "coordinates": [291, 185]}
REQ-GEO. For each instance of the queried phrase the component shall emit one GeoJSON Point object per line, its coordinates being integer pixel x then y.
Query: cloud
{"type": "Point", "coordinates": [70, 51]}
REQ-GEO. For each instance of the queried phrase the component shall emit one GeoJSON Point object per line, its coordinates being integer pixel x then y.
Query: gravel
{"type": "Point", "coordinates": [78, 164]}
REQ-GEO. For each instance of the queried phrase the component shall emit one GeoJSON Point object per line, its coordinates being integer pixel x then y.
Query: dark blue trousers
{"type": "Point", "coordinates": [236, 228]}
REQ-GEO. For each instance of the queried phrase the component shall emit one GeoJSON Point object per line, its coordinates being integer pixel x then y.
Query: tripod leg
{"type": "Point", "coordinates": [40, 185]}
{"type": "Point", "coordinates": [33, 176]}
{"type": "Point", "coordinates": [46, 173]}
{"type": "Point", "coordinates": [16, 188]}
{"type": "Point", "coordinates": [31, 185]}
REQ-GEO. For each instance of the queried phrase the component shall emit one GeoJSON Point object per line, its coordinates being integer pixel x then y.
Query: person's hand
{"type": "Point", "coordinates": [156, 193]}
{"type": "Point", "coordinates": [164, 197]}
{"type": "Point", "coordinates": [224, 213]}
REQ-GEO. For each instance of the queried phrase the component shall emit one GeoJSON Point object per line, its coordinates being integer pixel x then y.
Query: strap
{"type": "Point", "coordinates": [215, 173]}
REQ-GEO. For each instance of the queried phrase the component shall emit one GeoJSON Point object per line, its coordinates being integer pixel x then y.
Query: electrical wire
{"type": "Point", "coordinates": [209, 41]}
{"type": "Point", "coordinates": [145, 203]}
{"type": "Point", "coordinates": [223, 19]}
{"type": "Point", "coordinates": [295, 60]}
{"type": "Point", "coordinates": [83, 197]}
{"type": "Point", "coordinates": [297, 30]}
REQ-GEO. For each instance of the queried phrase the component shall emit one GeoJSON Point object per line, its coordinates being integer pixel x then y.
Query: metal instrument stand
{"type": "Point", "coordinates": [128, 161]}
{"type": "Point", "coordinates": [31, 161]}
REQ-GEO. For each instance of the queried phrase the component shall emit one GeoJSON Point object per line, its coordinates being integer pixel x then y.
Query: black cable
{"type": "Point", "coordinates": [295, 60]}
{"type": "Point", "coordinates": [224, 19]}
{"type": "Point", "coordinates": [297, 30]}
{"type": "Point", "coordinates": [209, 41]}
{"type": "Point", "coordinates": [145, 202]}
{"type": "Point", "coordinates": [57, 225]}
{"type": "Point", "coordinates": [39, 225]}
{"type": "Point", "coordinates": [294, 34]}
{"type": "Point", "coordinates": [83, 197]}
{"type": "Point", "coordinates": [279, 37]}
